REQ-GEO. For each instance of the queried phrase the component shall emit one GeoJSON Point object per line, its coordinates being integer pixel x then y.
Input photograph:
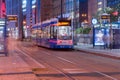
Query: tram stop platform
{"type": "Point", "coordinates": [100, 51]}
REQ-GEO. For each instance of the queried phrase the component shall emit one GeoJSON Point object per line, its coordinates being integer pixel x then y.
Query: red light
{"type": "Point", "coordinates": [115, 13]}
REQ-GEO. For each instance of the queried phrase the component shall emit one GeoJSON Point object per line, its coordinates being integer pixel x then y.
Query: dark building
{"type": "Point", "coordinates": [58, 8]}
{"type": "Point", "coordinates": [46, 9]}
{"type": "Point", "coordinates": [83, 11]}
{"type": "Point", "coordinates": [14, 7]}
{"type": "Point", "coordinates": [92, 9]}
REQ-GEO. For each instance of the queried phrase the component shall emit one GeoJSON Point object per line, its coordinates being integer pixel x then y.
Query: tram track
{"type": "Point", "coordinates": [67, 75]}
{"type": "Point", "coordinates": [60, 72]}
{"type": "Point", "coordinates": [61, 58]}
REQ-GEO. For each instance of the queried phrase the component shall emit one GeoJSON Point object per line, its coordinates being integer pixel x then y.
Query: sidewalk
{"type": "Point", "coordinates": [13, 67]}
{"type": "Point", "coordinates": [112, 53]}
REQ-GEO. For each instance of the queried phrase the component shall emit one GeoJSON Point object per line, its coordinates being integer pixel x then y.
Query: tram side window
{"type": "Point", "coordinates": [34, 33]}
{"type": "Point", "coordinates": [46, 32]}
{"type": "Point", "coordinates": [42, 34]}
{"type": "Point", "coordinates": [53, 32]}
{"type": "Point", "coordinates": [39, 33]}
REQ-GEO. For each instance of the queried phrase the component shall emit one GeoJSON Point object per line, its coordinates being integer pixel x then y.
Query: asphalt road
{"type": "Point", "coordinates": [68, 64]}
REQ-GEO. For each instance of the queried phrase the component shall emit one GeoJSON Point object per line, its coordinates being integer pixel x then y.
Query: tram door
{"type": "Point", "coordinates": [3, 40]}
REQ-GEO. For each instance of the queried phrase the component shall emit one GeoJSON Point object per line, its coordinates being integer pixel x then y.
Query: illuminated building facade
{"type": "Point", "coordinates": [2, 9]}
{"type": "Point", "coordinates": [12, 7]}
{"type": "Point", "coordinates": [76, 10]}
{"type": "Point", "coordinates": [79, 11]}
{"type": "Point", "coordinates": [29, 11]}
{"type": "Point", "coordinates": [67, 9]}
{"type": "Point", "coordinates": [101, 4]}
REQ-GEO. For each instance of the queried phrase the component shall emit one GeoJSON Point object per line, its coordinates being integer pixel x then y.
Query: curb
{"type": "Point", "coordinates": [97, 53]}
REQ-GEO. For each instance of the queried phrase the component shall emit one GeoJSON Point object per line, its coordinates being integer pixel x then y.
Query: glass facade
{"type": "Point", "coordinates": [112, 3]}
{"type": "Point", "coordinates": [11, 7]}
{"type": "Point", "coordinates": [24, 4]}
{"type": "Point", "coordinates": [101, 4]}
{"type": "Point", "coordinates": [72, 11]}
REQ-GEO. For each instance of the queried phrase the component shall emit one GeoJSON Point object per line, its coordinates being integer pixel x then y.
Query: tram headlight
{"type": "Point", "coordinates": [59, 42]}
{"type": "Point", "coordinates": [70, 42]}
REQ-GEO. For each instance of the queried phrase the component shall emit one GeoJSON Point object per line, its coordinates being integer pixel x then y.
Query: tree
{"type": "Point", "coordinates": [83, 30]}
{"type": "Point", "coordinates": [98, 14]}
{"type": "Point", "coordinates": [114, 13]}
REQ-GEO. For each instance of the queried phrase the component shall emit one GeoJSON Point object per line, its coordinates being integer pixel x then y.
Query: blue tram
{"type": "Point", "coordinates": [53, 33]}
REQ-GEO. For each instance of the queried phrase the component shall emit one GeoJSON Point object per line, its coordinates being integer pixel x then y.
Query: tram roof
{"type": "Point", "coordinates": [34, 27]}
{"type": "Point", "coordinates": [47, 22]}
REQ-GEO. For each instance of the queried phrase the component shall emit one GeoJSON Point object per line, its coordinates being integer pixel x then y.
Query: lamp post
{"type": "Point", "coordinates": [61, 9]}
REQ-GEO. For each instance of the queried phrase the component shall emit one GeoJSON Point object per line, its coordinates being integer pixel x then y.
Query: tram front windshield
{"type": "Point", "coordinates": [64, 33]}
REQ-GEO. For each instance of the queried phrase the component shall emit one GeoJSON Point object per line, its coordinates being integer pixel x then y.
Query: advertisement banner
{"type": "Point", "coordinates": [101, 36]}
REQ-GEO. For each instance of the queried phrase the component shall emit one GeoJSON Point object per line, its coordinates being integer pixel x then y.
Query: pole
{"type": "Point", "coordinates": [111, 38]}
{"type": "Point", "coordinates": [61, 8]}
{"type": "Point", "coordinates": [75, 38]}
{"type": "Point", "coordinates": [20, 20]}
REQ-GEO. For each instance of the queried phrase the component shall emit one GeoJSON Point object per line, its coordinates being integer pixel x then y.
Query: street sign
{"type": "Point", "coordinates": [94, 21]}
{"type": "Point", "coordinates": [105, 16]}
{"type": "Point", "coordinates": [12, 18]}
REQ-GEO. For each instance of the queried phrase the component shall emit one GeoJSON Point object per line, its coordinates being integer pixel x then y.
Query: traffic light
{"type": "Point", "coordinates": [114, 16]}
{"type": "Point", "coordinates": [115, 13]}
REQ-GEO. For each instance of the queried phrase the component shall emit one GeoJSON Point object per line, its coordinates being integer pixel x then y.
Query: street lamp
{"type": "Point", "coordinates": [24, 22]}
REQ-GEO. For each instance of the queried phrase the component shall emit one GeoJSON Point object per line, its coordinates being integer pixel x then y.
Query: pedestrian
{"type": "Point", "coordinates": [106, 41]}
